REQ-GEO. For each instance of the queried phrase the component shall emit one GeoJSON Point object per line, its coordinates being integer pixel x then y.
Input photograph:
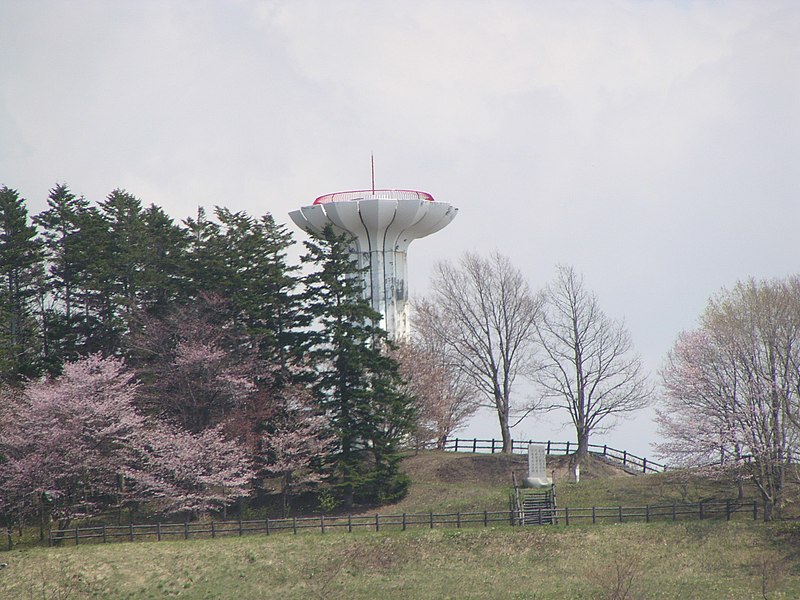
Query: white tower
{"type": "Point", "coordinates": [383, 223]}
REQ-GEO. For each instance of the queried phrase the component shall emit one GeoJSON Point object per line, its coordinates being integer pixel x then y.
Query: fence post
{"type": "Point", "coordinates": [130, 530]}
{"type": "Point", "coordinates": [644, 465]}
{"type": "Point", "coordinates": [350, 523]}
{"type": "Point", "coordinates": [158, 531]}
{"type": "Point", "coordinates": [548, 447]}
{"type": "Point", "coordinates": [566, 516]}
{"type": "Point", "coordinates": [620, 514]}
{"type": "Point", "coordinates": [605, 449]}
{"type": "Point", "coordinates": [294, 525]}
{"type": "Point", "coordinates": [404, 521]}
{"type": "Point", "coordinates": [377, 522]}
{"type": "Point", "coordinates": [624, 458]}
{"type": "Point", "coordinates": [594, 515]}
{"type": "Point", "coordinates": [567, 450]}
{"type": "Point", "coordinates": [431, 519]}
{"type": "Point", "coordinates": [455, 448]}
{"type": "Point", "coordinates": [186, 529]}
{"type": "Point", "coordinates": [485, 518]}
{"type": "Point", "coordinates": [647, 514]}
{"type": "Point", "coordinates": [266, 523]}
{"type": "Point", "coordinates": [474, 445]}
{"type": "Point", "coordinates": [322, 523]}
{"type": "Point", "coordinates": [77, 537]}
{"type": "Point", "coordinates": [701, 510]}
{"type": "Point", "coordinates": [458, 520]}
{"type": "Point", "coordinates": [492, 445]}
{"type": "Point", "coordinates": [673, 511]}
{"type": "Point", "coordinates": [213, 530]}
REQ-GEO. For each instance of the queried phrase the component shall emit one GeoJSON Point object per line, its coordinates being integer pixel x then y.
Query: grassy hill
{"type": "Point", "coordinates": [449, 482]}
{"type": "Point", "coordinates": [708, 559]}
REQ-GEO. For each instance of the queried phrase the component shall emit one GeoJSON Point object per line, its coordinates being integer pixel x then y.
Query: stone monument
{"type": "Point", "coordinates": [537, 468]}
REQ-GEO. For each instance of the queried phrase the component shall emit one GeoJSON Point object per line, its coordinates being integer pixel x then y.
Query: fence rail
{"type": "Point", "coordinates": [623, 457]}
{"type": "Point", "coordinates": [322, 524]}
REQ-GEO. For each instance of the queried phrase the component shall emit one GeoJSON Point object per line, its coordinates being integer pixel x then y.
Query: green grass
{"type": "Point", "coordinates": [689, 559]}
{"type": "Point", "coordinates": [450, 482]}
{"type": "Point", "coordinates": [684, 560]}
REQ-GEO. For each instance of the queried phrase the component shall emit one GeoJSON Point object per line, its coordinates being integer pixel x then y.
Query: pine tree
{"type": "Point", "coordinates": [99, 324]}
{"type": "Point", "coordinates": [67, 251]}
{"type": "Point", "coordinates": [122, 213]}
{"type": "Point", "coordinates": [262, 289]}
{"type": "Point", "coordinates": [244, 260]}
{"type": "Point", "coordinates": [205, 268]}
{"type": "Point", "coordinates": [357, 385]}
{"type": "Point", "coordinates": [20, 264]}
{"type": "Point", "coordinates": [163, 261]}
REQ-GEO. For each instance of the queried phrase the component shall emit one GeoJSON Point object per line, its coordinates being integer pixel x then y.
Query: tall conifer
{"type": "Point", "coordinates": [357, 385]}
{"type": "Point", "coordinates": [20, 263]}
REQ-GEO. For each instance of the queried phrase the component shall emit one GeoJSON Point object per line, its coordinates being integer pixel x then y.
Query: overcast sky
{"type": "Point", "coordinates": [653, 145]}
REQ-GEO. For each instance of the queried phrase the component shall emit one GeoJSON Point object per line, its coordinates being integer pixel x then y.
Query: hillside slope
{"type": "Point", "coordinates": [450, 482]}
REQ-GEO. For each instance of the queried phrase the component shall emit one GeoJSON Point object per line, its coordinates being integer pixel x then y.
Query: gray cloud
{"type": "Point", "coordinates": [651, 144]}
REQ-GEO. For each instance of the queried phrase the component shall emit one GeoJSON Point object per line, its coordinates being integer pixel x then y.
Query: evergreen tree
{"type": "Point", "coordinates": [122, 213]}
{"type": "Point", "coordinates": [99, 324]}
{"type": "Point", "coordinates": [244, 260]}
{"type": "Point", "coordinates": [261, 286]}
{"type": "Point", "coordinates": [67, 251]}
{"type": "Point", "coordinates": [20, 264]}
{"type": "Point", "coordinates": [205, 267]}
{"type": "Point", "coordinates": [163, 256]}
{"type": "Point", "coordinates": [357, 385]}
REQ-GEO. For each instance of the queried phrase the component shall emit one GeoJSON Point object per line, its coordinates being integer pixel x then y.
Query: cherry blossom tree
{"type": "Point", "coordinates": [443, 398]}
{"type": "Point", "coordinates": [67, 440]}
{"type": "Point", "coordinates": [732, 389]}
{"type": "Point", "coordinates": [76, 444]}
{"type": "Point", "coordinates": [294, 449]}
{"type": "Point", "coordinates": [193, 472]}
{"type": "Point", "coordinates": [195, 365]}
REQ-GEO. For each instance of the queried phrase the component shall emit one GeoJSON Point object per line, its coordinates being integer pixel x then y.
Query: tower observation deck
{"type": "Point", "coordinates": [382, 224]}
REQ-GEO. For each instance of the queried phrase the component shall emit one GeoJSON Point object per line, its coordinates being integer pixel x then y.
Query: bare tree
{"type": "Point", "coordinates": [736, 384]}
{"type": "Point", "coordinates": [587, 365]}
{"type": "Point", "coordinates": [483, 311]}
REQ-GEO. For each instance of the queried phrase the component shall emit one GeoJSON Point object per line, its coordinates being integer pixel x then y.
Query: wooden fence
{"type": "Point", "coordinates": [322, 524]}
{"type": "Point", "coordinates": [623, 457]}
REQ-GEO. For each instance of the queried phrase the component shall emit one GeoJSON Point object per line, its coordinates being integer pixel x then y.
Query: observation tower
{"type": "Point", "coordinates": [382, 223]}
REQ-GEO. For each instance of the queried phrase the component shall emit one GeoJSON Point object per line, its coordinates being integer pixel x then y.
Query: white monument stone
{"type": "Point", "coordinates": [537, 468]}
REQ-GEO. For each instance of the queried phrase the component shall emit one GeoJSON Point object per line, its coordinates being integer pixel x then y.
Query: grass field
{"type": "Point", "coordinates": [699, 559]}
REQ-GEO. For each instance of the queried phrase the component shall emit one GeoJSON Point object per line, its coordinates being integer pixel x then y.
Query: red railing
{"type": "Point", "coordinates": [360, 194]}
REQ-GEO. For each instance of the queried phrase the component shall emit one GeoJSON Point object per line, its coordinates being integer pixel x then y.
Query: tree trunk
{"type": "Point", "coordinates": [505, 432]}
{"type": "Point", "coordinates": [768, 510]}
{"type": "Point", "coordinates": [583, 445]}
{"type": "Point", "coordinates": [286, 494]}
{"type": "Point", "coordinates": [579, 458]}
